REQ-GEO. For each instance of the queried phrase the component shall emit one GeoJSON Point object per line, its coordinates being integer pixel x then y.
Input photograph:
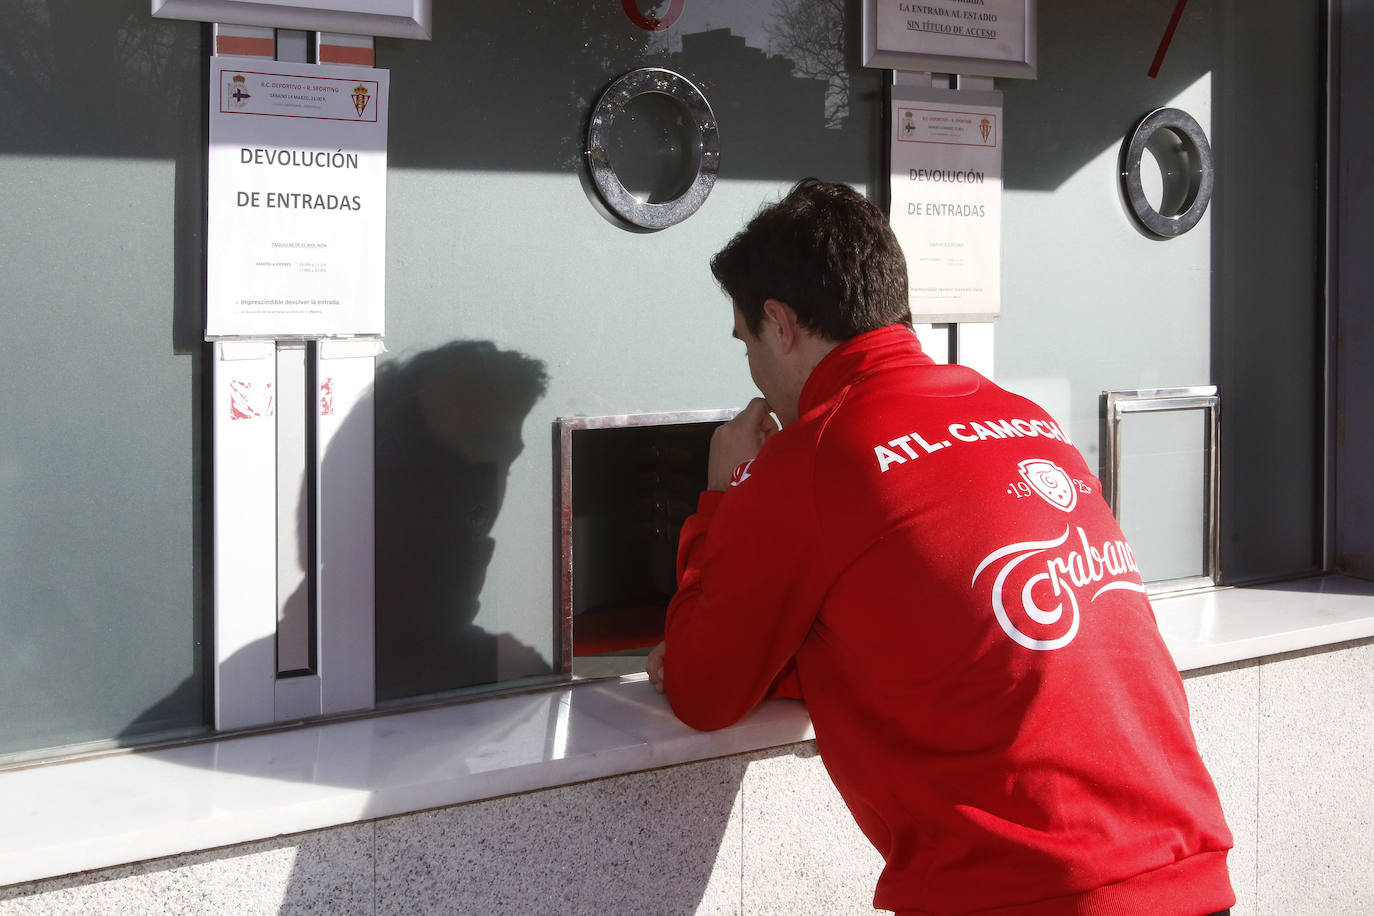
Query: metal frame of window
{"type": "Point", "coordinates": [566, 427]}
{"type": "Point", "coordinates": [1117, 405]}
{"type": "Point", "coordinates": [293, 533]}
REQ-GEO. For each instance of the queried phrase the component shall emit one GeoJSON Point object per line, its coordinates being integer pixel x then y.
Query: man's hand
{"type": "Point", "coordinates": [738, 441]}
{"type": "Point", "coordinates": [655, 665]}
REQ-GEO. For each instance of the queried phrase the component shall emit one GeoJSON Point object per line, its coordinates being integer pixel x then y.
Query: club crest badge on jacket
{"type": "Point", "coordinates": [1050, 481]}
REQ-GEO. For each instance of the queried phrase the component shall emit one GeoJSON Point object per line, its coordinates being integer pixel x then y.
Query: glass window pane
{"type": "Point", "coordinates": [1091, 304]}
{"type": "Point", "coordinates": [1163, 487]}
{"type": "Point", "coordinates": [512, 301]}
{"type": "Point", "coordinates": [101, 572]}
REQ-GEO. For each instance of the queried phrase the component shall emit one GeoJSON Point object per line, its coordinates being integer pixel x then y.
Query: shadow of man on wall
{"type": "Point", "coordinates": [448, 427]}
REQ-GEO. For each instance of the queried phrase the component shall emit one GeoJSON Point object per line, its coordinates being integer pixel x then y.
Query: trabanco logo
{"type": "Point", "coordinates": [1034, 571]}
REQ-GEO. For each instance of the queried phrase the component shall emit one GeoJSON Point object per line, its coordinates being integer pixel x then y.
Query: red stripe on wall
{"type": "Point", "coordinates": [251, 47]}
{"type": "Point", "coordinates": [1168, 37]}
{"type": "Point", "coordinates": [342, 54]}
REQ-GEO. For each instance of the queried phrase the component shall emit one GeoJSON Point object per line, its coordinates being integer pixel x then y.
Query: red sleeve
{"type": "Point", "coordinates": [787, 685]}
{"type": "Point", "coordinates": [746, 598]}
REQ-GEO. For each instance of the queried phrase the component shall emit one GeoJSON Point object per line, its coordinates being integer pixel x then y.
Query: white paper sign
{"type": "Point", "coordinates": [987, 29]}
{"type": "Point", "coordinates": [296, 242]}
{"type": "Point", "coordinates": [975, 37]}
{"type": "Point", "coordinates": [947, 201]}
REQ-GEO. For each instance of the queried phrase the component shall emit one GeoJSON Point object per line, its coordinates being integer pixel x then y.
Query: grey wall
{"type": "Point", "coordinates": [492, 240]}
{"type": "Point", "coordinates": [1354, 330]}
{"type": "Point", "coordinates": [512, 300]}
{"type": "Point", "coordinates": [1091, 304]}
{"type": "Point", "coordinates": [494, 244]}
{"type": "Point", "coordinates": [1289, 740]}
{"type": "Point", "coordinates": [102, 423]}
{"type": "Point", "coordinates": [509, 294]}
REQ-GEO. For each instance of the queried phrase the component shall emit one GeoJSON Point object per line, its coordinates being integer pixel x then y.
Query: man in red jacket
{"type": "Point", "coordinates": [927, 560]}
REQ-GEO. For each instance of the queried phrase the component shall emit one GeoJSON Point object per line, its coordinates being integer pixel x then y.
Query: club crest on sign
{"type": "Point", "coordinates": [360, 98]}
{"type": "Point", "coordinates": [237, 92]}
{"type": "Point", "coordinates": [1050, 481]}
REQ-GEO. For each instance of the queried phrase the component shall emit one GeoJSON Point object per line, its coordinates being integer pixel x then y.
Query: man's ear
{"type": "Point", "coordinates": [788, 328]}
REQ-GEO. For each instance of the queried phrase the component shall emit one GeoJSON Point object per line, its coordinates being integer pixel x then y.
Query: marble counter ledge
{"type": "Point", "coordinates": [85, 814]}
{"type": "Point", "coordinates": [93, 813]}
{"type": "Point", "coordinates": [1234, 624]}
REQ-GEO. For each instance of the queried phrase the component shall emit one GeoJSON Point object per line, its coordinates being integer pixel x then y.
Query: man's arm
{"type": "Point", "coordinates": [746, 596]}
{"type": "Point", "coordinates": [738, 441]}
{"type": "Point", "coordinates": [730, 448]}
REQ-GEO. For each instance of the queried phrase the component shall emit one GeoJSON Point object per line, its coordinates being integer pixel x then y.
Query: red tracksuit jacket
{"type": "Point", "coordinates": [932, 559]}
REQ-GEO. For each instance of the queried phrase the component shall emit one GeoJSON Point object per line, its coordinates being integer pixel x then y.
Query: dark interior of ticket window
{"type": "Point", "coordinates": [631, 489]}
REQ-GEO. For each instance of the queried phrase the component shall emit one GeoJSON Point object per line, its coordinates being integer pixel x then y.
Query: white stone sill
{"type": "Point", "coordinates": [1235, 624]}
{"type": "Point", "coordinates": [86, 814]}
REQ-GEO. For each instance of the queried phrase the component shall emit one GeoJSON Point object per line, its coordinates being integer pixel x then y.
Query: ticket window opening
{"type": "Point", "coordinates": [628, 483]}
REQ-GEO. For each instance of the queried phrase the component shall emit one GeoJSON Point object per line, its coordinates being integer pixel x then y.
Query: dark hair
{"type": "Point", "coordinates": [826, 252]}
